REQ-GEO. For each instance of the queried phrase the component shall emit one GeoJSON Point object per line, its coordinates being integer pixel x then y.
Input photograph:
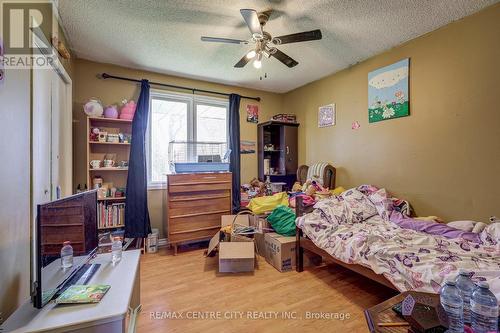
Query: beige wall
{"type": "Point", "coordinates": [113, 91]}
{"type": "Point", "coordinates": [444, 157]}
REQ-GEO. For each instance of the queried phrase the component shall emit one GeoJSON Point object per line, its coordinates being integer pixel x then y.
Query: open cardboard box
{"type": "Point", "coordinates": [234, 254]}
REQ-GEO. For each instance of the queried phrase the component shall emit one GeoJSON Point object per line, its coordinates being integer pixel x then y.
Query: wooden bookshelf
{"type": "Point", "coordinates": [109, 120]}
{"type": "Point", "coordinates": [109, 143]}
{"type": "Point", "coordinates": [112, 199]}
{"type": "Point", "coordinates": [108, 169]}
{"type": "Point", "coordinates": [115, 176]}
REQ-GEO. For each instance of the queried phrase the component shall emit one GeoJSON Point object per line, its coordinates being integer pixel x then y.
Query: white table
{"type": "Point", "coordinates": [109, 315]}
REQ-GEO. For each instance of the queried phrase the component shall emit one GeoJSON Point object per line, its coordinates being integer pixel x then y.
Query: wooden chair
{"type": "Point", "coordinates": [328, 176]}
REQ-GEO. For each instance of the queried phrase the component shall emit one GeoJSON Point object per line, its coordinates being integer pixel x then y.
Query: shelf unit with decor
{"type": "Point", "coordinates": [111, 216]}
{"type": "Point", "coordinates": [277, 148]}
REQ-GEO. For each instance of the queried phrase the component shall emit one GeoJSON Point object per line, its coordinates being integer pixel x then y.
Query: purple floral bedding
{"type": "Point", "coordinates": [356, 228]}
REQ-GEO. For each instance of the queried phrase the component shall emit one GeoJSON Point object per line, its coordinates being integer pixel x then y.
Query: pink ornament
{"type": "Point", "coordinates": [128, 110]}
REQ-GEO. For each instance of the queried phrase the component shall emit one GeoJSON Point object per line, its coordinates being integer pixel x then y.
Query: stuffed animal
{"type": "Point", "coordinates": [259, 186]}
{"type": "Point", "coordinates": [94, 134]}
{"type": "Point", "coordinates": [128, 109]}
{"type": "Point", "coordinates": [93, 108]}
{"type": "Point", "coordinates": [111, 112]}
{"type": "Point", "coordinates": [297, 187]}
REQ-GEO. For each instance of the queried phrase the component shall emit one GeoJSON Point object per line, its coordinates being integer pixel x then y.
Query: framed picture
{"type": "Point", "coordinates": [326, 115]}
{"type": "Point", "coordinates": [388, 92]}
{"type": "Point", "coordinates": [247, 147]}
{"type": "Point", "coordinates": [252, 113]}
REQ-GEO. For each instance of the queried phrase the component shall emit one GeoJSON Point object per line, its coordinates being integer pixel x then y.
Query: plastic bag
{"type": "Point", "coordinates": [261, 205]}
{"type": "Point", "coordinates": [283, 220]}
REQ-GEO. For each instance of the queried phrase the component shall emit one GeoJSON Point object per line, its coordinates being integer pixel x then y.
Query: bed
{"type": "Point", "coordinates": [399, 258]}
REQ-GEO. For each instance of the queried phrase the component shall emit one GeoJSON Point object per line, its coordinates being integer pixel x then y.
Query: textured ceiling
{"type": "Point", "coordinates": [164, 36]}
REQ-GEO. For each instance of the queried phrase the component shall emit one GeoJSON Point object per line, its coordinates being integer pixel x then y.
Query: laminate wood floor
{"type": "Point", "coordinates": [185, 293]}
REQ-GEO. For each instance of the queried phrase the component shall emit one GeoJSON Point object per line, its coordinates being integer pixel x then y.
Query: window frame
{"type": "Point", "coordinates": [192, 102]}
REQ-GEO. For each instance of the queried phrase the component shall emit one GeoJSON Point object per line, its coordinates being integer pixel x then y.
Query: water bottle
{"type": "Point", "coordinates": [452, 303]}
{"type": "Point", "coordinates": [116, 250]}
{"type": "Point", "coordinates": [466, 287]}
{"type": "Point", "coordinates": [66, 255]}
{"type": "Point", "coordinates": [267, 186]}
{"type": "Point", "coordinates": [484, 309]}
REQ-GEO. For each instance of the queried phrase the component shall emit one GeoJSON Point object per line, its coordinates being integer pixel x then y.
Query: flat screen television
{"type": "Point", "coordinates": [73, 219]}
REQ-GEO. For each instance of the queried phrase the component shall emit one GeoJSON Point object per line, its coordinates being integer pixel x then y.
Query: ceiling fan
{"type": "Point", "coordinates": [265, 44]}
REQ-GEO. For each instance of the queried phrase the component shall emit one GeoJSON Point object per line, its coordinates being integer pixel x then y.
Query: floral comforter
{"type": "Point", "coordinates": [355, 229]}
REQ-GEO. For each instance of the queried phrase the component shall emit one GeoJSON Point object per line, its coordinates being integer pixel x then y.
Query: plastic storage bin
{"type": "Point", "coordinates": [192, 157]}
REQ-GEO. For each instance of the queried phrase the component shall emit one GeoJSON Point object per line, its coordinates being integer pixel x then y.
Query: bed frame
{"type": "Point", "coordinates": [305, 244]}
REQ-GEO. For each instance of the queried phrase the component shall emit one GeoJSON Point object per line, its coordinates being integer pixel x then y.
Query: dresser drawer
{"type": "Point", "coordinates": [198, 205]}
{"type": "Point", "coordinates": [198, 178]}
{"type": "Point", "coordinates": [200, 187]}
{"type": "Point", "coordinates": [193, 223]}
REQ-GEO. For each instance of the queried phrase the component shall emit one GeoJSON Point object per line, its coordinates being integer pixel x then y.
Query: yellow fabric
{"type": "Point", "coordinates": [337, 190]}
{"type": "Point", "coordinates": [260, 205]}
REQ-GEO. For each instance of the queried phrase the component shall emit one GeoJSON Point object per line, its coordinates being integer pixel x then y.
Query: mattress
{"type": "Point", "coordinates": [409, 259]}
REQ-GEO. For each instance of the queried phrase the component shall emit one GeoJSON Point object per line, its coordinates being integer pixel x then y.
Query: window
{"type": "Point", "coordinates": [180, 117]}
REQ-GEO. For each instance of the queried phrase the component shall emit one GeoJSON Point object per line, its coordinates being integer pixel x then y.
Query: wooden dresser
{"type": "Point", "coordinates": [196, 202]}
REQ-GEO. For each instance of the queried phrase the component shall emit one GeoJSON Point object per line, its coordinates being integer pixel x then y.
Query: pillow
{"type": "Point", "coordinates": [359, 208]}
{"type": "Point", "coordinates": [462, 225]}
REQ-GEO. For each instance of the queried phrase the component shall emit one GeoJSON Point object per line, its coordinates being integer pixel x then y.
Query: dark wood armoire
{"type": "Point", "coordinates": [278, 151]}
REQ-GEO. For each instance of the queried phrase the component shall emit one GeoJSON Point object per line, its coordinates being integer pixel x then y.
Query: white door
{"type": "Point", "coordinates": [42, 123]}
{"type": "Point", "coordinates": [62, 135]}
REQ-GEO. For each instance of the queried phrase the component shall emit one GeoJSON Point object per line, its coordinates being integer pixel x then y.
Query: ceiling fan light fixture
{"type": "Point", "coordinates": [251, 54]}
{"type": "Point", "coordinates": [257, 63]}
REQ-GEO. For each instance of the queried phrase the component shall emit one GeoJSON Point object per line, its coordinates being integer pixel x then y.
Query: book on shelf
{"type": "Point", "coordinates": [110, 215]}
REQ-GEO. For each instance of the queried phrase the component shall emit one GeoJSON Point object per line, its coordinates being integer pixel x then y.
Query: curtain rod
{"type": "Point", "coordinates": [193, 90]}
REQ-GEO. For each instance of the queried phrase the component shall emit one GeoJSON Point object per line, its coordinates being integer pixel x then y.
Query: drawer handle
{"type": "Point", "coordinates": [209, 177]}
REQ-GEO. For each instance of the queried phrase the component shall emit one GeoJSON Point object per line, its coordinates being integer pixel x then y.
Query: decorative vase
{"type": "Point", "coordinates": [93, 108]}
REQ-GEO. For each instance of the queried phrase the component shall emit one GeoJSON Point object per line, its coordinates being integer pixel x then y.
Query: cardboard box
{"type": "Point", "coordinates": [260, 244]}
{"type": "Point", "coordinates": [236, 257]}
{"type": "Point", "coordinates": [240, 219]}
{"type": "Point", "coordinates": [280, 251]}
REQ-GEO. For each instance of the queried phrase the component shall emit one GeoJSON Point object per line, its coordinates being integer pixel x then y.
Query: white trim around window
{"type": "Point", "coordinates": [191, 102]}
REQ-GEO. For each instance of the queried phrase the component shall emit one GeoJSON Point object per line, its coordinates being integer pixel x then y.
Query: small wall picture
{"type": "Point", "coordinates": [247, 147]}
{"type": "Point", "coordinates": [326, 115]}
{"type": "Point", "coordinates": [388, 92]}
{"type": "Point", "coordinates": [252, 113]}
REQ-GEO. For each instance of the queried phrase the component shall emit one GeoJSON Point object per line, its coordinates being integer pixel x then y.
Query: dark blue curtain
{"type": "Point", "coordinates": [234, 145]}
{"type": "Point", "coordinates": [137, 224]}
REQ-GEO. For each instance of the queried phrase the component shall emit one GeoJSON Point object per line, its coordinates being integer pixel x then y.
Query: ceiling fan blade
{"type": "Point", "coordinates": [223, 40]}
{"type": "Point", "coordinates": [243, 61]}
{"type": "Point", "coordinates": [298, 37]}
{"type": "Point", "coordinates": [252, 19]}
{"type": "Point", "coordinates": [284, 58]}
